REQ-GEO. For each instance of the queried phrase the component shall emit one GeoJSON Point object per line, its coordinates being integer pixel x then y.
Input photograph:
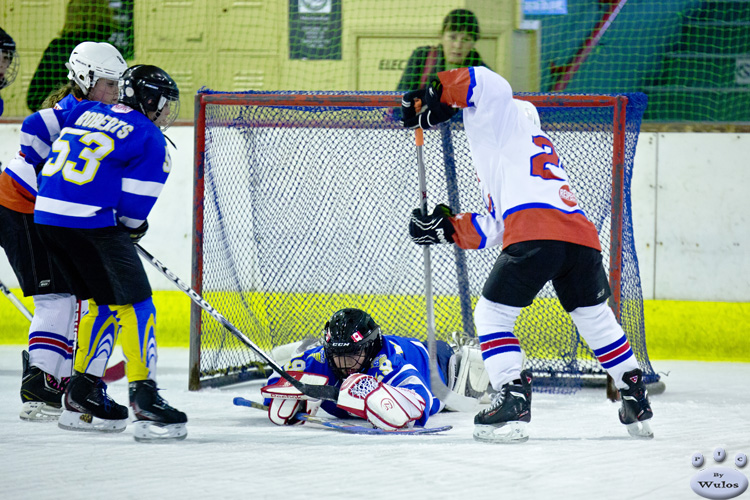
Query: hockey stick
{"type": "Point", "coordinates": [314, 391]}
{"type": "Point", "coordinates": [16, 302]}
{"type": "Point", "coordinates": [111, 374]}
{"type": "Point", "coordinates": [437, 386]}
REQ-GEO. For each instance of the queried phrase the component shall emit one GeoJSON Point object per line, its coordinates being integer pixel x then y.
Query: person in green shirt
{"type": "Point", "coordinates": [456, 50]}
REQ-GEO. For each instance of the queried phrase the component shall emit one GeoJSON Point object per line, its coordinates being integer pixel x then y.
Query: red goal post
{"type": "Point", "coordinates": [300, 208]}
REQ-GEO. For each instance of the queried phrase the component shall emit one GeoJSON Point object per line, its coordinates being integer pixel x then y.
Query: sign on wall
{"type": "Point", "coordinates": [545, 7]}
{"type": "Point", "coordinates": [315, 29]}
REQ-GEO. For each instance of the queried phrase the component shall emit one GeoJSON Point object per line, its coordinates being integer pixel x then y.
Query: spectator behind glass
{"type": "Point", "coordinates": [456, 50]}
{"type": "Point", "coordinates": [8, 62]}
{"type": "Point", "coordinates": [85, 20]}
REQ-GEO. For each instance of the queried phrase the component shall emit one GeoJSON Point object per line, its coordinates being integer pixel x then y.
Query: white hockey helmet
{"type": "Point", "coordinates": [90, 61]}
{"type": "Point", "coordinates": [529, 111]}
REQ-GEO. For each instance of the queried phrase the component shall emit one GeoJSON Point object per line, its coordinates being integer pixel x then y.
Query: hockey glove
{"type": "Point", "coordinates": [384, 406]}
{"type": "Point", "coordinates": [138, 233]}
{"type": "Point", "coordinates": [432, 110]}
{"type": "Point", "coordinates": [287, 400]}
{"type": "Point", "coordinates": [431, 229]}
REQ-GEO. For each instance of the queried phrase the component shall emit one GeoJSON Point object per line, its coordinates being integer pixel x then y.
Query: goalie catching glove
{"type": "Point", "coordinates": [433, 111]}
{"type": "Point", "coordinates": [287, 400]}
{"type": "Point", "coordinates": [431, 229]}
{"type": "Point", "coordinates": [384, 406]}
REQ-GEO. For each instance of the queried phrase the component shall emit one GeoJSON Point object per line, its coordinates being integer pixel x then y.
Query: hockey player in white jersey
{"type": "Point", "coordinates": [545, 236]}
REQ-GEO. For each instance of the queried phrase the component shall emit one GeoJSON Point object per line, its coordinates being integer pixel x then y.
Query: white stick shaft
{"type": "Point", "coordinates": [16, 302]}
{"type": "Point", "coordinates": [438, 387]}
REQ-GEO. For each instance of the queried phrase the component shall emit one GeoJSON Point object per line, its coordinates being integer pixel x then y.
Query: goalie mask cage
{"type": "Point", "coordinates": [301, 207]}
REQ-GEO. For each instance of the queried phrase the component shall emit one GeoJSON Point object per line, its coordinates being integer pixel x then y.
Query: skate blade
{"type": "Point", "coordinates": [145, 431]}
{"type": "Point", "coordinates": [85, 422]}
{"type": "Point", "coordinates": [37, 411]}
{"type": "Point", "coordinates": [640, 430]}
{"type": "Point", "coordinates": [510, 432]}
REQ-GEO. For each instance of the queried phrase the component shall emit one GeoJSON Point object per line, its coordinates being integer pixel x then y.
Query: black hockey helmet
{"type": "Point", "coordinates": [351, 340]}
{"type": "Point", "coordinates": [8, 59]}
{"type": "Point", "coordinates": [150, 90]}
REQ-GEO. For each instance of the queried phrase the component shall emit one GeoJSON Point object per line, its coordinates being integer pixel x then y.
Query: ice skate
{"type": "Point", "coordinates": [88, 408]}
{"type": "Point", "coordinates": [507, 418]}
{"type": "Point", "coordinates": [155, 419]}
{"type": "Point", "coordinates": [636, 412]}
{"type": "Point", "coordinates": [41, 393]}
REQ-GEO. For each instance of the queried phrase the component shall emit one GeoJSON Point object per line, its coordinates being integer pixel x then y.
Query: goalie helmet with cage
{"type": "Point", "coordinates": [351, 340]}
{"type": "Point", "coordinates": [8, 59]}
{"type": "Point", "coordinates": [150, 90]}
{"type": "Point", "coordinates": [91, 61]}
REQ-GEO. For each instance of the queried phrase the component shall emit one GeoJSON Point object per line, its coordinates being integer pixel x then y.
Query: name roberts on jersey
{"type": "Point", "coordinates": [106, 123]}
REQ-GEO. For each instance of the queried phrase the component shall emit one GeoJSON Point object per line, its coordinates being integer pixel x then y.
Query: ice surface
{"type": "Point", "coordinates": [578, 449]}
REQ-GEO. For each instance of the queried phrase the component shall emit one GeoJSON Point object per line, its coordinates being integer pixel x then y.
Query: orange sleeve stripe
{"type": "Point", "coordinates": [14, 197]}
{"type": "Point", "coordinates": [456, 86]}
{"type": "Point", "coordinates": [467, 235]}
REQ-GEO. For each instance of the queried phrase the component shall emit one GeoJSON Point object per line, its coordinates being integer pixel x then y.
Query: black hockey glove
{"type": "Point", "coordinates": [138, 233]}
{"type": "Point", "coordinates": [431, 229]}
{"type": "Point", "coordinates": [433, 111]}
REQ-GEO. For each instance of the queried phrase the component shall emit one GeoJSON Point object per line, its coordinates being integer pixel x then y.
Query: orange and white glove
{"type": "Point", "coordinates": [287, 400]}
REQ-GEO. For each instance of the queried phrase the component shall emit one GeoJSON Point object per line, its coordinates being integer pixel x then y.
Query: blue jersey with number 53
{"type": "Point", "coordinates": [401, 362]}
{"type": "Point", "coordinates": [104, 164]}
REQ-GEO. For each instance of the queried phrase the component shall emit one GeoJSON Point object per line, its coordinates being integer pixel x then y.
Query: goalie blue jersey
{"type": "Point", "coordinates": [401, 362]}
{"type": "Point", "coordinates": [104, 164]}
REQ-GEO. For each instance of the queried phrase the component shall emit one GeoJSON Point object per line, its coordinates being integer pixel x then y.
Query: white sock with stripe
{"type": "Point", "coordinates": [501, 350]}
{"type": "Point", "coordinates": [599, 328]}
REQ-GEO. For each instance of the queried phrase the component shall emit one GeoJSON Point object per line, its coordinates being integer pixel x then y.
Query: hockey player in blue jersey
{"type": "Point", "coordinates": [105, 168]}
{"type": "Point", "coordinates": [368, 367]}
{"type": "Point", "coordinates": [94, 71]}
{"type": "Point", "coordinates": [8, 62]}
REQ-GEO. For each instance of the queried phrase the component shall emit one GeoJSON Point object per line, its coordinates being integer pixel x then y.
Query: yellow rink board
{"type": "Point", "coordinates": [705, 331]}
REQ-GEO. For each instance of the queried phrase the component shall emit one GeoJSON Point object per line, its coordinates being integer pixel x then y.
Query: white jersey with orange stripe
{"type": "Point", "coordinates": [524, 185]}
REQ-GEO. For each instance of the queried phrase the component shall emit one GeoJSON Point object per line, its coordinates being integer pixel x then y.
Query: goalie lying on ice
{"type": "Point", "coordinates": [382, 378]}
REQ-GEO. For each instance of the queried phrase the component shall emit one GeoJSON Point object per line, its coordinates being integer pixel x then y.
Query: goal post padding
{"type": "Point", "coordinates": [301, 206]}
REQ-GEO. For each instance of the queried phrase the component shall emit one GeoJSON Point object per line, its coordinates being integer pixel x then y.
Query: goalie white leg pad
{"type": "Point", "coordinates": [37, 411]}
{"type": "Point", "coordinates": [472, 379]}
{"type": "Point", "coordinates": [149, 431]}
{"type": "Point", "coordinates": [510, 432]}
{"type": "Point", "coordinates": [85, 422]}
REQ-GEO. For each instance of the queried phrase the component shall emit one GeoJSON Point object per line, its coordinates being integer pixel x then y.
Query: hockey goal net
{"type": "Point", "coordinates": [301, 208]}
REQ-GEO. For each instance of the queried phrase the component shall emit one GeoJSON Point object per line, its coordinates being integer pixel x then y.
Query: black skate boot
{"type": "Point", "coordinates": [509, 413]}
{"type": "Point", "coordinates": [154, 417]}
{"type": "Point", "coordinates": [41, 393]}
{"type": "Point", "coordinates": [636, 409]}
{"type": "Point", "coordinates": [88, 407]}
